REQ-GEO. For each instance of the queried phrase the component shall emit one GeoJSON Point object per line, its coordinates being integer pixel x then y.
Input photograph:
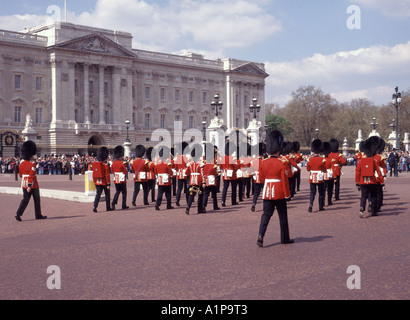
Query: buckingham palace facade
{"type": "Point", "coordinates": [79, 84]}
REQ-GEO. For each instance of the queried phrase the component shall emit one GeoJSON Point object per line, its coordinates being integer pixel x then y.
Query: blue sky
{"type": "Point", "coordinates": [301, 42]}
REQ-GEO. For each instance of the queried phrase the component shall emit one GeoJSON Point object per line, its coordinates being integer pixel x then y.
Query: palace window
{"type": "Point", "coordinates": [39, 115]}
{"type": "Point", "coordinates": [17, 114]}
{"type": "Point", "coordinates": [17, 81]}
{"type": "Point", "coordinates": [39, 85]}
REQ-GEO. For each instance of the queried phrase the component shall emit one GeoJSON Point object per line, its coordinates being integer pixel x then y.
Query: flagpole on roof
{"type": "Point", "coordinates": [65, 10]}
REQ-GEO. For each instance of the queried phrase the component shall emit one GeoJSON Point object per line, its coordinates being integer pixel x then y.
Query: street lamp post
{"type": "Point", "coordinates": [127, 125]}
{"type": "Point", "coordinates": [216, 104]}
{"type": "Point", "coordinates": [255, 107]}
{"type": "Point", "coordinates": [396, 100]}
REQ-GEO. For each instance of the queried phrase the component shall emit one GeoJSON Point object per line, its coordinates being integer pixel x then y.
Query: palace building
{"type": "Point", "coordinates": [74, 87]}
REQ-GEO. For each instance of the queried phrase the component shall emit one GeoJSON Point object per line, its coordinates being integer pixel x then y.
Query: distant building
{"type": "Point", "coordinates": [79, 84]}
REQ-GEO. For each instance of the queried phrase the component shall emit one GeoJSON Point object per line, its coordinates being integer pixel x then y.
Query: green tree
{"type": "Point", "coordinates": [277, 122]}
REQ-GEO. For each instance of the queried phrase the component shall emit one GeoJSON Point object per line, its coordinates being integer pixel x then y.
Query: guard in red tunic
{"type": "Point", "coordinates": [140, 168]}
{"type": "Point", "coordinates": [180, 162]}
{"type": "Point", "coordinates": [29, 184]}
{"type": "Point", "coordinates": [329, 163]}
{"type": "Point", "coordinates": [229, 166]}
{"type": "Point", "coordinates": [101, 177]}
{"type": "Point", "coordinates": [298, 158]}
{"type": "Point", "coordinates": [151, 173]}
{"type": "Point", "coordinates": [194, 174]}
{"type": "Point", "coordinates": [163, 173]}
{"type": "Point", "coordinates": [317, 170]}
{"type": "Point", "coordinates": [368, 176]}
{"type": "Point", "coordinates": [258, 183]}
{"type": "Point", "coordinates": [276, 188]}
{"type": "Point", "coordinates": [339, 163]}
{"type": "Point", "coordinates": [119, 170]}
{"type": "Point", "coordinates": [210, 175]}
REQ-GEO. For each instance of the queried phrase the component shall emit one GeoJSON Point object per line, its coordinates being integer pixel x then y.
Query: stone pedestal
{"type": "Point", "coordinates": [254, 132]}
{"type": "Point", "coordinates": [406, 142]}
{"type": "Point", "coordinates": [216, 131]}
{"type": "Point", "coordinates": [127, 149]}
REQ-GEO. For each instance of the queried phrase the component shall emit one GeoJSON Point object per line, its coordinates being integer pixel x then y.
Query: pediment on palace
{"type": "Point", "coordinates": [95, 43]}
{"type": "Point", "coordinates": [251, 69]}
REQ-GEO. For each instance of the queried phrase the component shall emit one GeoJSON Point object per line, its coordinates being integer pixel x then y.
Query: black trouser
{"type": "Point", "coordinates": [329, 184]}
{"type": "Point", "coordinates": [337, 187]}
{"type": "Point", "coordinates": [258, 190]}
{"type": "Point", "coordinates": [151, 187]}
{"type": "Point", "coordinates": [145, 190]}
{"type": "Point", "coordinates": [297, 180]}
{"type": "Point", "coordinates": [268, 210]}
{"type": "Point", "coordinates": [233, 184]}
{"type": "Point", "coordinates": [161, 190]}
{"type": "Point", "coordinates": [211, 190]}
{"type": "Point", "coordinates": [292, 186]}
{"type": "Point", "coordinates": [369, 191]}
{"type": "Point", "coordinates": [379, 196]}
{"type": "Point", "coordinates": [240, 188]}
{"type": "Point", "coordinates": [247, 186]}
{"type": "Point", "coordinates": [98, 196]}
{"type": "Point", "coordinates": [26, 198]}
{"type": "Point", "coordinates": [182, 185]}
{"type": "Point", "coordinates": [200, 198]}
{"type": "Point", "coordinates": [120, 188]}
{"type": "Point", "coordinates": [321, 189]}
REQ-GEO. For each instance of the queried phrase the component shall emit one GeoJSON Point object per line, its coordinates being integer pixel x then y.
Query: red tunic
{"type": "Point", "coordinates": [101, 174]}
{"type": "Point", "coordinates": [368, 172]}
{"type": "Point", "coordinates": [317, 168]}
{"type": "Point", "coordinates": [339, 163]}
{"type": "Point", "coordinates": [27, 173]}
{"type": "Point", "coordinates": [163, 172]}
{"type": "Point", "coordinates": [229, 166]}
{"type": "Point", "coordinates": [255, 166]}
{"type": "Point", "coordinates": [119, 169]}
{"type": "Point", "coordinates": [140, 168]}
{"type": "Point", "coordinates": [194, 172]}
{"type": "Point", "coordinates": [210, 173]}
{"type": "Point", "coordinates": [273, 174]}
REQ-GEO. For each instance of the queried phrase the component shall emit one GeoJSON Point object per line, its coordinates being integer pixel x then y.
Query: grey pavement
{"type": "Point", "coordinates": [145, 254]}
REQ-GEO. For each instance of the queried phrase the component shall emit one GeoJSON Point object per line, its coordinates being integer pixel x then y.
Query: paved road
{"type": "Point", "coordinates": [145, 254]}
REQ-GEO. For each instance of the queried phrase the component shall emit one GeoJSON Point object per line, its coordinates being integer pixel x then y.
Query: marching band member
{"type": "Point", "coordinates": [339, 163]}
{"type": "Point", "coordinates": [229, 166]}
{"type": "Point", "coordinates": [210, 175]}
{"type": "Point", "coordinates": [317, 169]}
{"type": "Point", "coordinates": [276, 188]}
{"type": "Point", "coordinates": [140, 168]}
{"type": "Point", "coordinates": [329, 163]}
{"type": "Point", "coordinates": [255, 165]}
{"type": "Point", "coordinates": [368, 176]}
{"type": "Point", "coordinates": [119, 169]}
{"type": "Point", "coordinates": [29, 184]}
{"type": "Point", "coordinates": [181, 167]}
{"type": "Point", "coordinates": [194, 174]}
{"type": "Point", "coordinates": [163, 173]}
{"type": "Point", "coordinates": [101, 177]}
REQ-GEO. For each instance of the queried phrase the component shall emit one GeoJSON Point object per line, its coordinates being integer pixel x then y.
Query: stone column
{"type": "Point", "coordinates": [101, 94]}
{"type": "Point", "coordinates": [56, 90]}
{"type": "Point", "coordinates": [86, 93]}
{"type": "Point", "coordinates": [71, 89]}
{"type": "Point", "coordinates": [116, 94]}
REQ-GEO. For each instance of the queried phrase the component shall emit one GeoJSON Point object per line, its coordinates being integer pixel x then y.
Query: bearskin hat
{"type": "Point", "coordinates": [230, 148]}
{"type": "Point", "coordinates": [119, 152]}
{"type": "Point", "coordinates": [361, 144]}
{"type": "Point", "coordinates": [327, 148]}
{"type": "Point", "coordinates": [28, 149]}
{"type": "Point", "coordinates": [102, 154]}
{"type": "Point", "coordinates": [150, 153]}
{"type": "Point", "coordinates": [262, 149]}
{"type": "Point", "coordinates": [296, 146]}
{"type": "Point", "coordinates": [317, 146]}
{"type": "Point", "coordinates": [382, 145]}
{"type": "Point", "coordinates": [196, 152]}
{"type": "Point", "coordinates": [370, 147]}
{"type": "Point", "coordinates": [139, 151]}
{"type": "Point", "coordinates": [334, 143]}
{"type": "Point", "coordinates": [164, 153]}
{"type": "Point", "coordinates": [274, 142]}
{"type": "Point", "coordinates": [287, 147]}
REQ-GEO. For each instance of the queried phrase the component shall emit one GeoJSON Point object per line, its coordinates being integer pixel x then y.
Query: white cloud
{"type": "Point", "coordinates": [395, 8]}
{"type": "Point", "coordinates": [366, 72]}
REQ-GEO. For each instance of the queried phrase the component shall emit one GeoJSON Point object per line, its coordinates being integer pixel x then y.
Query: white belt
{"type": "Point", "coordinates": [195, 174]}
{"type": "Point", "coordinates": [273, 180]}
{"type": "Point", "coordinates": [337, 165]}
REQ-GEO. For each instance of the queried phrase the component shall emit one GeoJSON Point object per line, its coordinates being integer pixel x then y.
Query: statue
{"type": "Point", "coordinates": [29, 122]}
